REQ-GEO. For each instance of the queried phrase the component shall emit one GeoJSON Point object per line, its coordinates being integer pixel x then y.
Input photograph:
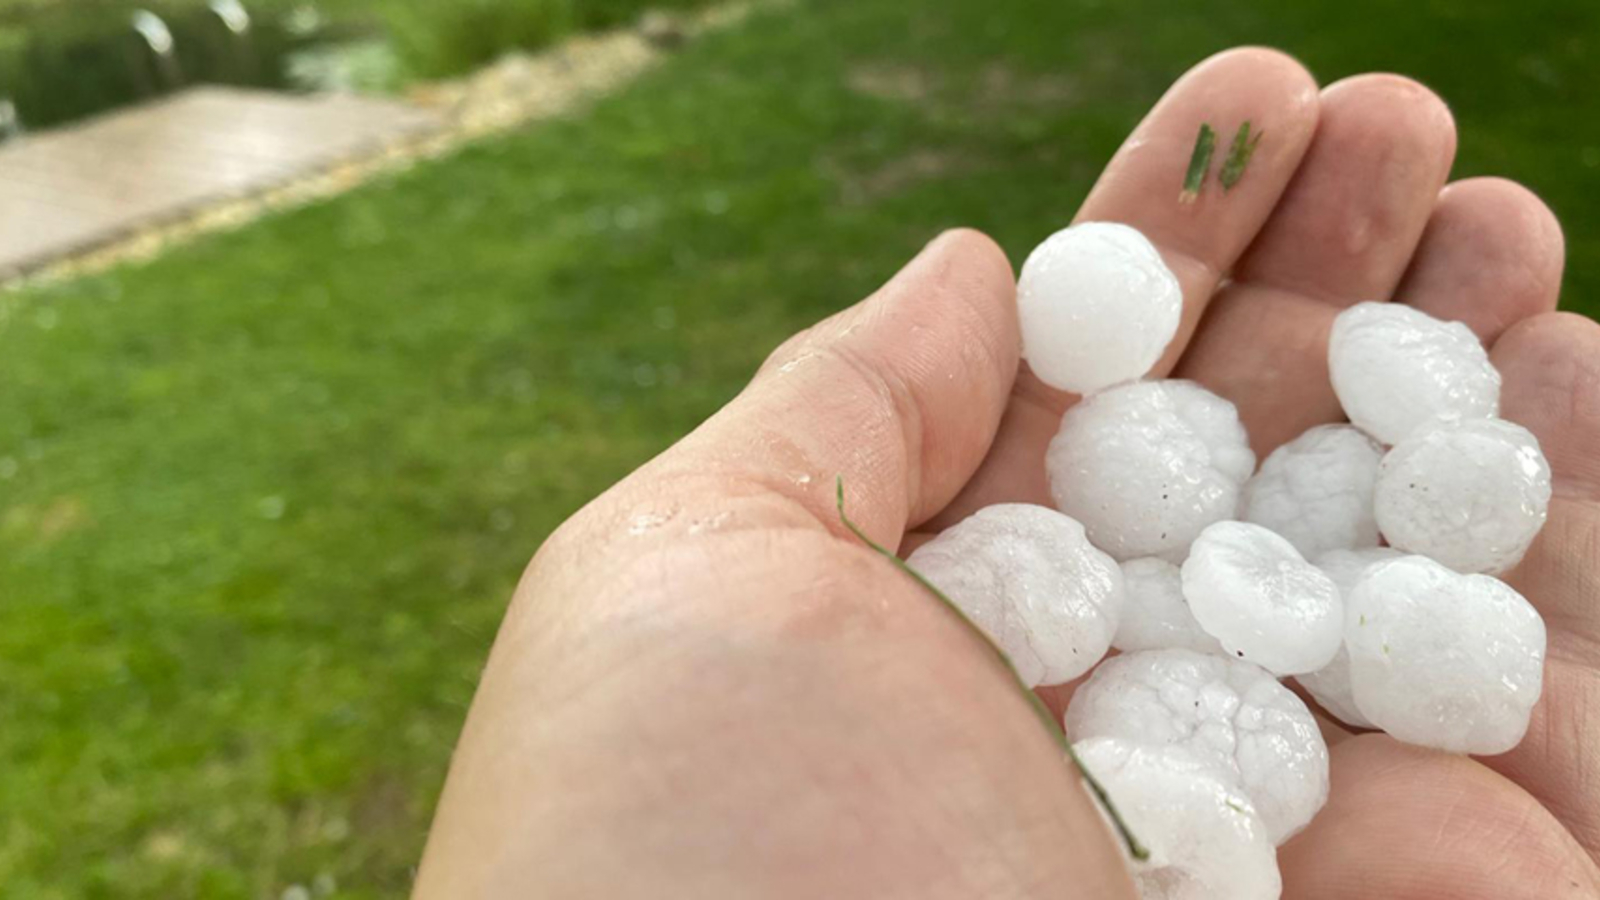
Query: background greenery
{"type": "Point", "coordinates": [61, 60]}
{"type": "Point", "coordinates": [262, 501]}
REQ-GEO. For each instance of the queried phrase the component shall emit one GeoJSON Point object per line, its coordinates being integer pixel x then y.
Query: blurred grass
{"type": "Point", "coordinates": [262, 501]}
{"type": "Point", "coordinates": [436, 40]}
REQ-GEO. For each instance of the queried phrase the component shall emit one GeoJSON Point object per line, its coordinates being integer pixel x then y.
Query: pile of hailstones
{"type": "Point", "coordinates": [1359, 559]}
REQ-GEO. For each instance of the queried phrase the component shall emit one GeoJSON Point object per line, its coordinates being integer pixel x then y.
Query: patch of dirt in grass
{"type": "Point", "coordinates": [382, 804]}
{"type": "Point", "coordinates": [863, 187]}
{"type": "Point", "coordinates": [47, 523]}
{"type": "Point", "coordinates": [999, 89]}
{"type": "Point", "coordinates": [885, 81]}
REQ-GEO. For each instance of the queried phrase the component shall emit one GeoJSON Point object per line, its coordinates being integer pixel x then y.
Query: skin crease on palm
{"type": "Point", "coordinates": [705, 688]}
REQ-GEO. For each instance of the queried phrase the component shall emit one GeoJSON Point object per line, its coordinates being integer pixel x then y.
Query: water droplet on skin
{"type": "Point", "coordinates": [643, 523]}
{"type": "Point", "coordinates": [712, 524]}
{"type": "Point", "coordinates": [795, 363]}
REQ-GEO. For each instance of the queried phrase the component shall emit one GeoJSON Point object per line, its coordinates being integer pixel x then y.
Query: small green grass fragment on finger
{"type": "Point", "coordinates": [1239, 154]}
{"type": "Point", "coordinates": [1205, 144]}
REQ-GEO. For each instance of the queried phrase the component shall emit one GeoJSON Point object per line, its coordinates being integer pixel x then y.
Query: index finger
{"type": "Point", "coordinates": [1199, 240]}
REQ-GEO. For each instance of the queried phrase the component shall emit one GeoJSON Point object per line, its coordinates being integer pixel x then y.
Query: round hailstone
{"type": "Point", "coordinates": [1316, 490]}
{"type": "Point", "coordinates": [1256, 593]}
{"type": "Point", "coordinates": [1472, 495]}
{"type": "Point", "coordinates": [1330, 685]}
{"type": "Point", "coordinates": [1031, 580]}
{"type": "Point", "coordinates": [1204, 838]}
{"type": "Point", "coordinates": [1395, 367]}
{"type": "Point", "coordinates": [1097, 307]}
{"type": "Point", "coordinates": [1442, 659]}
{"type": "Point", "coordinates": [1231, 715]}
{"type": "Point", "coordinates": [1154, 614]}
{"type": "Point", "coordinates": [1146, 466]}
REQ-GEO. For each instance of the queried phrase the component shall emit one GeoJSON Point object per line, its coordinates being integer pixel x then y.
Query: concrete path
{"type": "Point", "coordinates": [68, 191]}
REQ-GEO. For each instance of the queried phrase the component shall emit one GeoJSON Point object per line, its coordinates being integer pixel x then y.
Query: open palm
{"type": "Point", "coordinates": [706, 688]}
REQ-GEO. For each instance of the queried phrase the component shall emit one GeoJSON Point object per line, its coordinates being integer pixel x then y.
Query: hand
{"type": "Point", "coordinates": [705, 688]}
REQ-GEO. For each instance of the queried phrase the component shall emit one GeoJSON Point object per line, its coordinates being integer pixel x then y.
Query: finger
{"type": "Point", "coordinates": [1492, 256]}
{"type": "Point", "coordinates": [1405, 823]}
{"type": "Point", "coordinates": [1344, 232]}
{"type": "Point", "coordinates": [898, 395]}
{"type": "Point", "coordinates": [1551, 367]}
{"type": "Point", "coordinates": [1200, 241]}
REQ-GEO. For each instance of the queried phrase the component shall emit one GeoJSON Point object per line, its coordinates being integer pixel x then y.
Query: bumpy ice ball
{"type": "Point", "coordinates": [1395, 367]}
{"type": "Point", "coordinates": [1097, 307]}
{"type": "Point", "coordinates": [1029, 578]}
{"type": "Point", "coordinates": [1316, 490]}
{"type": "Point", "coordinates": [1330, 685]}
{"type": "Point", "coordinates": [1256, 593]}
{"type": "Point", "coordinates": [1470, 494]}
{"type": "Point", "coordinates": [1154, 614]}
{"type": "Point", "coordinates": [1442, 659]}
{"type": "Point", "coordinates": [1205, 840]}
{"type": "Point", "coordinates": [1229, 714]}
{"type": "Point", "coordinates": [1146, 466]}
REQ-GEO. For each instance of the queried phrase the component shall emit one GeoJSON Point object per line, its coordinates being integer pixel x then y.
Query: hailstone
{"type": "Point", "coordinates": [1029, 578]}
{"type": "Point", "coordinates": [1230, 715]}
{"type": "Point", "coordinates": [1470, 494]}
{"type": "Point", "coordinates": [1205, 840]}
{"type": "Point", "coordinates": [1146, 466]}
{"type": "Point", "coordinates": [1395, 367]}
{"type": "Point", "coordinates": [1330, 685]}
{"type": "Point", "coordinates": [1154, 614]}
{"type": "Point", "coordinates": [1316, 490]}
{"type": "Point", "coordinates": [1257, 594]}
{"type": "Point", "coordinates": [1442, 659]}
{"type": "Point", "coordinates": [1097, 307]}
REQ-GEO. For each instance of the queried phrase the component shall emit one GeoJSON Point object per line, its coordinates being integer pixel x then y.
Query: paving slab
{"type": "Point", "coordinates": [67, 191]}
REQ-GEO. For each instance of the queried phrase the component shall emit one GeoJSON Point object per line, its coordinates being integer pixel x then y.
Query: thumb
{"type": "Point", "coordinates": [899, 395]}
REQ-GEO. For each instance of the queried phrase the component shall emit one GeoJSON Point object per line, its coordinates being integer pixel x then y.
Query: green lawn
{"type": "Point", "coordinates": [262, 501]}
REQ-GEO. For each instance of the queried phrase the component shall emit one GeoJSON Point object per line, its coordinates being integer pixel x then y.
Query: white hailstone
{"type": "Point", "coordinates": [1205, 840]}
{"type": "Point", "coordinates": [1442, 659]}
{"type": "Point", "coordinates": [1154, 614]}
{"type": "Point", "coordinates": [1257, 594]}
{"type": "Point", "coordinates": [1395, 367]}
{"type": "Point", "coordinates": [1229, 714]}
{"type": "Point", "coordinates": [1146, 466]}
{"type": "Point", "coordinates": [1470, 494]}
{"type": "Point", "coordinates": [1316, 490]}
{"type": "Point", "coordinates": [1330, 685]}
{"type": "Point", "coordinates": [1029, 578]}
{"type": "Point", "coordinates": [1096, 306]}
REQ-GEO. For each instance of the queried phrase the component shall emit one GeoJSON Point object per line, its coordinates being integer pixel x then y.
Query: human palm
{"type": "Point", "coordinates": [705, 687]}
